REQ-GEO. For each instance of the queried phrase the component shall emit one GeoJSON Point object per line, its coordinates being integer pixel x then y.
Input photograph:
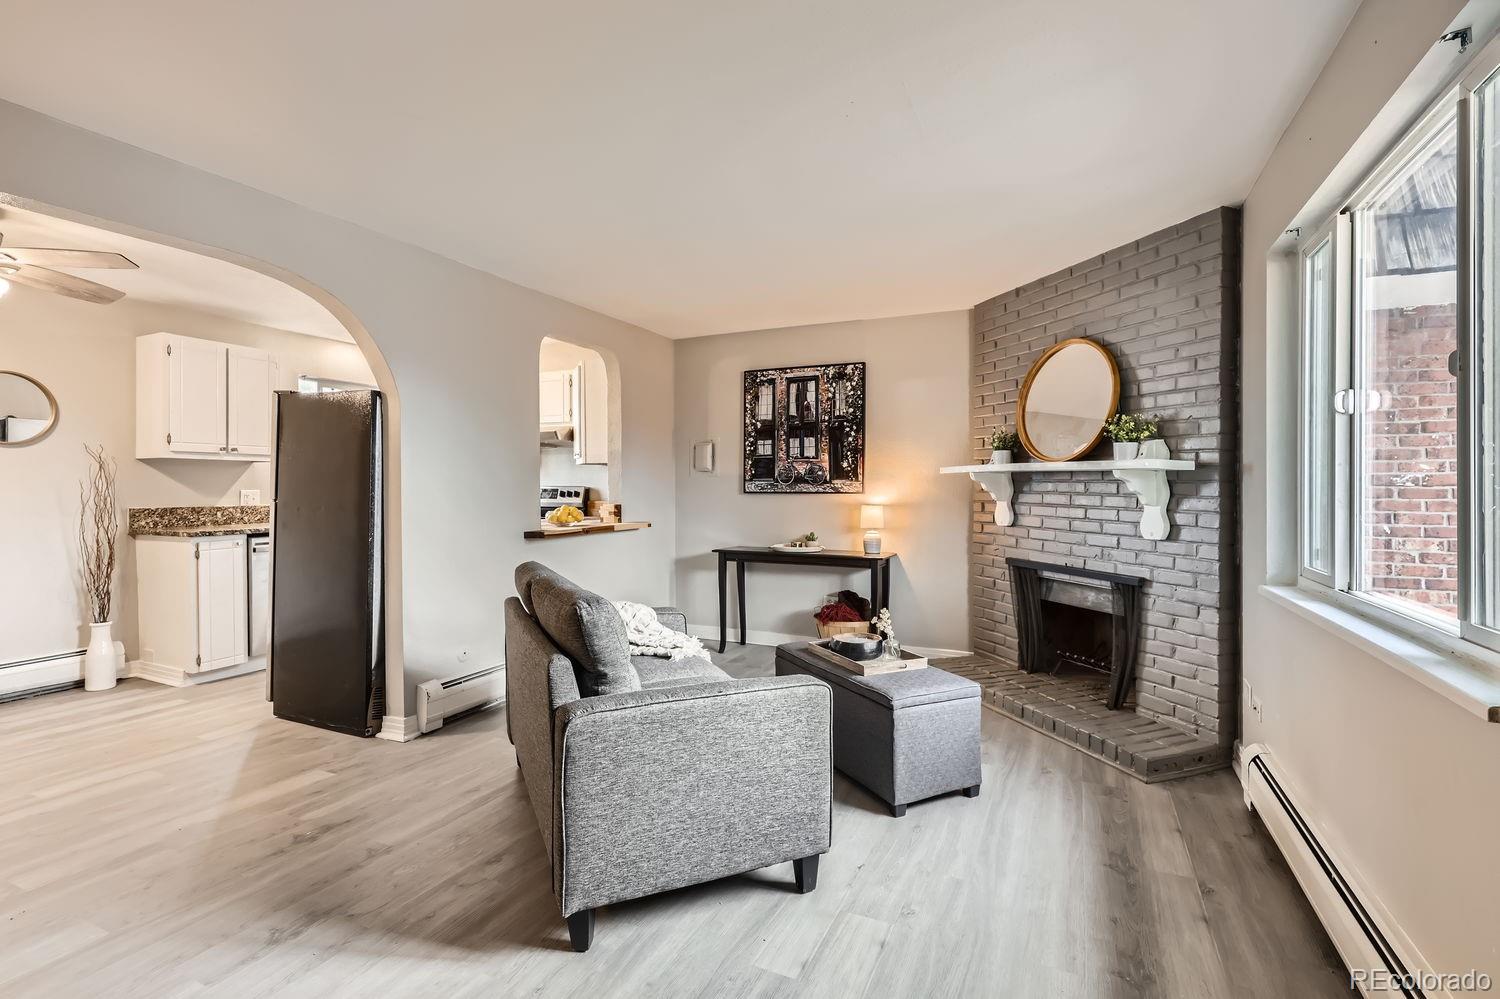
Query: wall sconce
{"type": "Point", "coordinates": [872, 519]}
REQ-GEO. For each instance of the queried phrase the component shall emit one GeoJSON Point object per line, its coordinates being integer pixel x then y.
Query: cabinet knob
{"type": "Point", "coordinates": [235, 449]}
{"type": "Point", "coordinates": [223, 449]}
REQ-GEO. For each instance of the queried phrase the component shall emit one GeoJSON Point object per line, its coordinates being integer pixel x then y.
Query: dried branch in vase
{"type": "Point", "coordinates": [98, 530]}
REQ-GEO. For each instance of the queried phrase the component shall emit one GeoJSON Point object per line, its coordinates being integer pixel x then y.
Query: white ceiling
{"type": "Point", "coordinates": [169, 276]}
{"type": "Point", "coordinates": [701, 167]}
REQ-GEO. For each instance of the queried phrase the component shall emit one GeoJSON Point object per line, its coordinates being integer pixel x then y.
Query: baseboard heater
{"type": "Point", "coordinates": [1350, 925]}
{"type": "Point", "coordinates": [21, 678]}
{"type": "Point", "coordinates": [444, 700]}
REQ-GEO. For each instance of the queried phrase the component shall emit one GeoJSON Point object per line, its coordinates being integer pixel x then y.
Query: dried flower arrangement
{"type": "Point", "coordinates": [98, 531]}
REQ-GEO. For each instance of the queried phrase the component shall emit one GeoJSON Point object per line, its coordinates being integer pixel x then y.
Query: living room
{"type": "Point", "coordinates": [883, 330]}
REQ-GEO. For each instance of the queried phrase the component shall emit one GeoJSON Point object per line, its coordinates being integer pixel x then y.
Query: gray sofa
{"type": "Point", "coordinates": [647, 774]}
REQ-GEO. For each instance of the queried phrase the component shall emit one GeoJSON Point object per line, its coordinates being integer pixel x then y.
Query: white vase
{"type": "Point", "coordinates": [1127, 450]}
{"type": "Point", "coordinates": [99, 660]}
{"type": "Point", "coordinates": [999, 457]}
{"type": "Point", "coordinates": [1155, 448]}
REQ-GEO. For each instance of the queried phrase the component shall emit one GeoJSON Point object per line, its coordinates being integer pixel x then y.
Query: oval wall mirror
{"type": "Point", "coordinates": [27, 409]}
{"type": "Point", "coordinates": [1067, 395]}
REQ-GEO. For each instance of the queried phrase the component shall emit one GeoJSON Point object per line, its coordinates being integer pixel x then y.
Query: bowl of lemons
{"type": "Point", "coordinates": [565, 516]}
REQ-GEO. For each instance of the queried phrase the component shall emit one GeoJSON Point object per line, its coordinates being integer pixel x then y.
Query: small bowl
{"type": "Point", "coordinates": [861, 647]}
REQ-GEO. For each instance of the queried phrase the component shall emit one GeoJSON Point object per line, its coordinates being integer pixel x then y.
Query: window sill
{"type": "Point", "coordinates": [1469, 677]}
{"type": "Point", "coordinates": [573, 532]}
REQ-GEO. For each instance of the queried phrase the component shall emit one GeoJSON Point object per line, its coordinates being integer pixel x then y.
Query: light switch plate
{"type": "Point", "coordinates": [249, 497]}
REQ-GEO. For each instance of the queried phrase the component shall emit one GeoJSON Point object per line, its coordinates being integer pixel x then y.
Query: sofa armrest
{"type": "Point", "coordinates": [661, 788]}
{"type": "Point", "coordinates": [672, 618]}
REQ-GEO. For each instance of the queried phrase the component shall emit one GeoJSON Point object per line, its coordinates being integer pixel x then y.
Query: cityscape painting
{"type": "Point", "coordinates": [805, 429]}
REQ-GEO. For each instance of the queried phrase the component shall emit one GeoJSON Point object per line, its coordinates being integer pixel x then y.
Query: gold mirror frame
{"type": "Point", "coordinates": [1114, 398]}
{"type": "Point", "coordinates": [51, 405]}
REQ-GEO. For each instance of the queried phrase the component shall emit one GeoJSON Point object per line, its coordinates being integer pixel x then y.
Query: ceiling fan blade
{"type": "Point", "coordinates": [40, 257]}
{"type": "Point", "coordinates": [61, 284]}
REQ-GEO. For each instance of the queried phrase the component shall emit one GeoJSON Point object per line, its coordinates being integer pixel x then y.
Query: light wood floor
{"type": "Point", "coordinates": [160, 842]}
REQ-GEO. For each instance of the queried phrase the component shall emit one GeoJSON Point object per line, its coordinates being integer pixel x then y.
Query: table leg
{"type": "Point", "coordinates": [885, 583]}
{"type": "Point", "coordinates": [874, 589]}
{"type": "Point", "coordinates": [723, 607]}
{"type": "Point", "coordinates": [739, 578]}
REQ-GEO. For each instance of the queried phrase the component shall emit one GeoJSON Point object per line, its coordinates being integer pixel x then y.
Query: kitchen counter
{"type": "Point", "coordinates": [198, 521]}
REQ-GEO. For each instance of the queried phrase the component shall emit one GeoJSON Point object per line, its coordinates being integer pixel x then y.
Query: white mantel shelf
{"type": "Point", "coordinates": [1146, 477]}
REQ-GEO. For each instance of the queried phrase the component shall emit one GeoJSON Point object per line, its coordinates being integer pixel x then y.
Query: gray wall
{"type": "Point", "coordinates": [1166, 307]}
{"type": "Point", "coordinates": [916, 421]}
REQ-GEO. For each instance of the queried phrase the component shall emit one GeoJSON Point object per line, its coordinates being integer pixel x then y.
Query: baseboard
{"type": "Point", "coordinates": [45, 674]}
{"type": "Point", "coordinates": [1351, 911]}
{"type": "Point", "coordinates": [710, 636]}
{"type": "Point", "coordinates": [171, 676]}
{"type": "Point", "coordinates": [394, 728]}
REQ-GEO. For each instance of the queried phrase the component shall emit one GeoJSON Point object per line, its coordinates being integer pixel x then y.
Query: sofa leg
{"type": "Point", "coordinates": [806, 871]}
{"type": "Point", "coordinates": [898, 810]}
{"type": "Point", "coordinates": [581, 929]}
{"type": "Point", "coordinates": [972, 791]}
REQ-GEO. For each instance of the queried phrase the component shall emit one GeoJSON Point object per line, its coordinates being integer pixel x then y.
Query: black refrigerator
{"type": "Point", "coordinates": [327, 655]}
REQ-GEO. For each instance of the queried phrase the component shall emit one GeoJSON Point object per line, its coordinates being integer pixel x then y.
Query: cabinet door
{"type": "Point", "coordinates": [222, 609]}
{"type": "Point", "coordinates": [251, 384]}
{"type": "Point", "coordinates": [556, 398]}
{"type": "Point", "coordinates": [195, 396]}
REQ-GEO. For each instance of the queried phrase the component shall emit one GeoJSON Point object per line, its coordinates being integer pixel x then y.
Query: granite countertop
{"type": "Point", "coordinates": [198, 521]}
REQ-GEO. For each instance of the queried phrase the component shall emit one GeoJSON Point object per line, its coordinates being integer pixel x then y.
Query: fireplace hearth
{"type": "Point", "coordinates": [1071, 619]}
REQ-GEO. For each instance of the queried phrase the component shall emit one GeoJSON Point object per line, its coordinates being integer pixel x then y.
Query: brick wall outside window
{"type": "Point", "coordinates": [1167, 308]}
{"type": "Point", "coordinates": [1409, 522]}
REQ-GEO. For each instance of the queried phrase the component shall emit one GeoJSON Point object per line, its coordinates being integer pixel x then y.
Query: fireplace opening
{"type": "Point", "coordinates": [1070, 619]}
{"type": "Point", "coordinates": [1076, 639]}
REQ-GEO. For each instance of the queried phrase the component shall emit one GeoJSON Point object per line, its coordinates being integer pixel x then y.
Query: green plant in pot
{"type": "Point", "coordinates": [1129, 430]}
{"type": "Point", "coordinates": [1002, 445]}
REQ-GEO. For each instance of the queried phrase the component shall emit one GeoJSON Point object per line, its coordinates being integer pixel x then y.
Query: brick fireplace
{"type": "Point", "coordinates": [1166, 306]}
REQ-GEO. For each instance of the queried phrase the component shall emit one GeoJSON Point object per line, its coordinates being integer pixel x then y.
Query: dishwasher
{"type": "Point", "coordinates": [259, 592]}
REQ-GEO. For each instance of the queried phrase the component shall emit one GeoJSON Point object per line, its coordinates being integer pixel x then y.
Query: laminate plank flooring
{"type": "Point", "coordinates": [185, 843]}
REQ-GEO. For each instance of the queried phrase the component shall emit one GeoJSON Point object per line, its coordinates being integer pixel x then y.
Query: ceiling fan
{"type": "Point", "coordinates": [32, 266]}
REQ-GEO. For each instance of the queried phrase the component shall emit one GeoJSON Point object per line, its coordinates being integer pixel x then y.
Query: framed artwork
{"type": "Point", "coordinates": [805, 429]}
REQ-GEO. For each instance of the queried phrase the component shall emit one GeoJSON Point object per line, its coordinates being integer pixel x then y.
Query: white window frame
{"type": "Point", "coordinates": [1334, 234]}
{"type": "Point", "coordinates": [1341, 586]}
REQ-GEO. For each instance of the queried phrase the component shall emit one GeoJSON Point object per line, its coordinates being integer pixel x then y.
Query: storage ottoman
{"type": "Point", "coordinates": [905, 736]}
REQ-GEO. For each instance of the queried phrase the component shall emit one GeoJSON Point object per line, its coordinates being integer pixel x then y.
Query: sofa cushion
{"type": "Point", "coordinates": [585, 626]}
{"type": "Point", "coordinates": [657, 672]}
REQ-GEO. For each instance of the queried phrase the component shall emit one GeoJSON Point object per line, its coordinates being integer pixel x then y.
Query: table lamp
{"type": "Point", "coordinates": [872, 519]}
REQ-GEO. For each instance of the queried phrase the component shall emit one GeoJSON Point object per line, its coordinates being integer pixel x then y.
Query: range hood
{"type": "Point", "coordinates": [558, 437]}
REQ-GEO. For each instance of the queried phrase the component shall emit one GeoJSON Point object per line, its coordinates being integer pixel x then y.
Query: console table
{"type": "Point", "coordinates": [828, 558]}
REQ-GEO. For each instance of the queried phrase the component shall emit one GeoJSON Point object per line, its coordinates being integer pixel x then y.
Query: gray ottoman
{"type": "Point", "coordinates": [905, 736]}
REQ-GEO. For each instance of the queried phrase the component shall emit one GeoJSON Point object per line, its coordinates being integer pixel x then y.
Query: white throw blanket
{"type": "Point", "coordinates": [649, 637]}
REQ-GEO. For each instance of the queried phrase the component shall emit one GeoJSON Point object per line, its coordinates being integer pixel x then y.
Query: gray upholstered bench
{"type": "Point", "coordinates": [905, 736]}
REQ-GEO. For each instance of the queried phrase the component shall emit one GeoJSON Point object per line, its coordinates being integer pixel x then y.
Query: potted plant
{"type": "Point", "coordinates": [1127, 430]}
{"type": "Point", "coordinates": [1002, 445]}
{"type": "Point", "coordinates": [98, 530]}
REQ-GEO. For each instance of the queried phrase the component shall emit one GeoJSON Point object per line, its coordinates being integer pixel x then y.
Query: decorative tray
{"type": "Point", "coordinates": [797, 549]}
{"type": "Point", "coordinates": [871, 667]}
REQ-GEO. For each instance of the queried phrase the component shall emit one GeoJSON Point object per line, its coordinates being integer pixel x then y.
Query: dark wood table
{"type": "Point", "coordinates": [828, 558]}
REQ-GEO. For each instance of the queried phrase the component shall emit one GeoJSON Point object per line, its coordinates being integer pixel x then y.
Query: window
{"type": "Point", "coordinates": [311, 384]}
{"type": "Point", "coordinates": [1400, 381]}
{"type": "Point", "coordinates": [763, 401]}
{"type": "Point", "coordinates": [802, 417]}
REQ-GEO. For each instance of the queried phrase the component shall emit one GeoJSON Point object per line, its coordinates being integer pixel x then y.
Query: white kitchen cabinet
{"type": "Point", "coordinates": [577, 399]}
{"type": "Point", "coordinates": [202, 399]}
{"type": "Point", "coordinates": [193, 608]}
{"type": "Point", "coordinates": [252, 395]}
{"type": "Point", "coordinates": [556, 397]}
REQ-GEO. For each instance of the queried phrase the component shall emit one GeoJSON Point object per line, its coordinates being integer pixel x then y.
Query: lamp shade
{"type": "Point", "coordinates": [871, 517]}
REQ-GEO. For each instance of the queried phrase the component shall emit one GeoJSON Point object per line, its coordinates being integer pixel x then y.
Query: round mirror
{"type": "Point", "coordinates": [1068, 394]}
{"type": "Point", "coordinates": [27, 409]}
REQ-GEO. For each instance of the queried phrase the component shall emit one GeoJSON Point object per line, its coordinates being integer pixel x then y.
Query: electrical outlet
{"type": "Point", "coordinates": [249, 497]}
{"type": "Point", "coordinates": [1257, 709]}
{"type": "Point", "coordinates": [463, 655]}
